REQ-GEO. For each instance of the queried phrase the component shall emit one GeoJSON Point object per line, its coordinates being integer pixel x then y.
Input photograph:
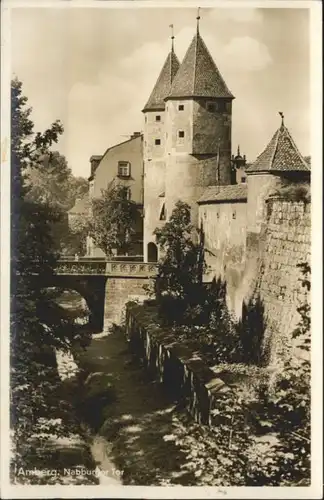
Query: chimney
{"type": "Point", "coordinates": [94, 162]}
{"type": "Point", "coordinates": [136, 134]}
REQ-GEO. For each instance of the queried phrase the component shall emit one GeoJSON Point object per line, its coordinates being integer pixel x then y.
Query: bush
{"type": "Point", "coordinates": [251, 329]}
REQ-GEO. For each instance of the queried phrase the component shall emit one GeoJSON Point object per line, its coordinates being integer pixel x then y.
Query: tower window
{"type": "Point", "coordinates": [163, 212]}
{"type": "Point", "coordinates": [145, 119]}
{"type": "Point", "coordinates": [181, 134]}
{"type": "Point", "coordinates": [234, 215]}
{"type": "Point", "coordinates": [181, 107]}
{"type": "Point", "coordinates": [211, 107]}
{"type": "Point", "coordinates": [221, 105]}
{"type": "Point", "coordinates": [217, 215]}
{"type": "Point", "coordinates": [123, 169]}
{"type": "Point", "coordinates": [157, 142]}
{"type": "Point", "coordinates": [158, 118]}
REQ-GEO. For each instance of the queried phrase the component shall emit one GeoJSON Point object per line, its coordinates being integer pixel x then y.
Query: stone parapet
{"type": "Point", "coordinates": [130, 269]}
{"type": "Point", "coordinates": [107, 268]}
{"type": "Point", "coordinates": [68, 267]}
{"type": "Point", "coordinates": [186, 377]}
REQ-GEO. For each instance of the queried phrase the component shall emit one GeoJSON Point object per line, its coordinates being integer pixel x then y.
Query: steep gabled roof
{"type": "Point", "coordinates": [280, 155]}
{"type": "Point", "coordinates": [198, 75]}
{"type": "Point", "coordinates": [163, 85]}
{"type": "Point", "coordinates": [221, 194]}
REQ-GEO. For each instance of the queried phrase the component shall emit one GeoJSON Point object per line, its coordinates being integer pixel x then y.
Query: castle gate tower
{"type": "Point", "coordinates": [198, 127]}
{"type": "Point", "coordinates": [154, 154]}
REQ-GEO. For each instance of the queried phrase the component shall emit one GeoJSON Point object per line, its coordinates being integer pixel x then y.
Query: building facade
{"type": "Point", "coordinates": [121, 164]}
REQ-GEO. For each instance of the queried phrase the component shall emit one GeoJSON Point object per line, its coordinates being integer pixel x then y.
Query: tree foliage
{"type": "Point", "coordinates": [50, 182]}
{"type": "Point", "coordinates": [53, 183]}
{"type": "Point", "coordinates": [179, 288]}
{"type": "Point", "coordinates": [252, 328]}
{"type": "Point", "coordinates": [111, 223]}
{"type": "Point", "coordinates": [34, 335]}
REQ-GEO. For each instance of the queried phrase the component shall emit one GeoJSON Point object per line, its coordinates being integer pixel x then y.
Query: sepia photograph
{"type": "Point", "coordinates": [160, 165]}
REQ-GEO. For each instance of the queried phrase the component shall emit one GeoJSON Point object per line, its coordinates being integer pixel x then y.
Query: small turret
{"type": "Point", "coordinates": [238, 167]}
{"type": "Point", "coordinates": [278, 163]}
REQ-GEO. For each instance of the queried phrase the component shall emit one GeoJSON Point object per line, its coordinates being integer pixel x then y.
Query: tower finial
{"type": "Point", "coordinates": [198, 18]}
{"type": "Point", "coordinates": [282, 118]}
{"type": "Point", "coordinates": [238, 150]}
{"type": "Point", "coordinates": [172, 37]}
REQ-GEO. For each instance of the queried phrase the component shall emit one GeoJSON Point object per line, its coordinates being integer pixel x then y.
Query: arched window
{"type": "Point", "coordinates": [152, 252]}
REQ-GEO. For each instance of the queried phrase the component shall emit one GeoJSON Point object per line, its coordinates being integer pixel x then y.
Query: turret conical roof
{"type": "Point", "coordinates": [198, 75]}
{"type": "Point", "coordinates": [163, 85]}
{"type": "Point", "coordinates": [280, 155]}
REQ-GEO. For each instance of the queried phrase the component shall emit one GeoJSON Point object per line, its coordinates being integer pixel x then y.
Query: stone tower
{"type": "Point", "coordinates": [198, 129]}
{"type": "Point", "coordinates": [154, 153]}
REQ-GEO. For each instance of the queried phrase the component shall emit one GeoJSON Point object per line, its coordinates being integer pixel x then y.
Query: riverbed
{"type": "Point", "coordinates": [135, 434]}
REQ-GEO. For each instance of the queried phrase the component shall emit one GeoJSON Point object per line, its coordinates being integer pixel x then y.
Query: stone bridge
{"type": "Point", "coordinates": [106, 286]}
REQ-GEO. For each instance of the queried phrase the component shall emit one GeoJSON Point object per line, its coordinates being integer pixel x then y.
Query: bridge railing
{"type": "Point", "coordinates": [117, 258]}
{"type": "Point", "coordinates": [107, 268]}
{"type": "Point", "coordinates": [131, 268]}
{"type": "Point", "coordinates": [80, 267]}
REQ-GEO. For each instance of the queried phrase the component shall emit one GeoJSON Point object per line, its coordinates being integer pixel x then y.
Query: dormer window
{"type": "Point", "coordinates": [157, 142]}
{"type": "Point", "coordinates": [123, 169]}
{"type": "Point", "coordinates": [181, 134]}
{"type": "Point", "coordinates": [158, 118]}
{"type": "Point", "coordinates": [181, 107]}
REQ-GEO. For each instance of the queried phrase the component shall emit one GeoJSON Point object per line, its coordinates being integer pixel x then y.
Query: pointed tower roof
{"type": "Point", "coordinates": [280, 155]}
{"type": "Point", "coordinates": [198, 75]}
{"type": "Point", "coordinates": [163, 84]}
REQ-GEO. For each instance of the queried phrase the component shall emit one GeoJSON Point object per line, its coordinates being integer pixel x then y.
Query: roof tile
{"type": "Point", "coordinates": [163, 85]}
{"type": "Point", "coordinates": [234, 192]}
{"type": "Point", "coordinates": [280, 155]}
{"type": "Point", "coordinates": [198, 75]}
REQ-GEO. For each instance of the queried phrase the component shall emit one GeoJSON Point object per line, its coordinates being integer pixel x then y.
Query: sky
{"type": "Point", "coordinates": [94, 69]}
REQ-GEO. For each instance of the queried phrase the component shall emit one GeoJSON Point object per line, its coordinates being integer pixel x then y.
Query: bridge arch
{"type": "Point", "coordinates": [90, 288]}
